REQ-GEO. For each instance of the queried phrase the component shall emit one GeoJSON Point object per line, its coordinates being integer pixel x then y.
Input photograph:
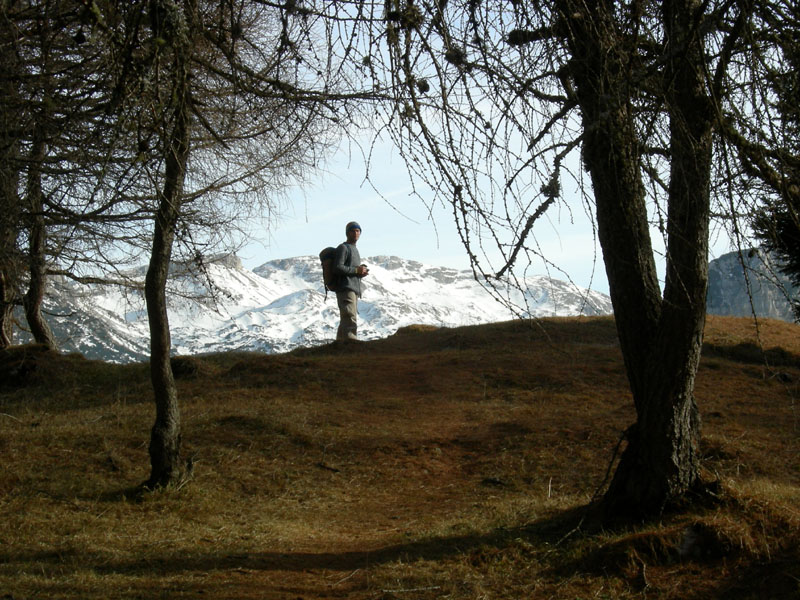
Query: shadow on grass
{"type": "Point", "coordinates": [545, 533]}
{"type": "Point", "coordinates": [37, 377]}
{"type": "Point", "coordinates": [777, 579]}
{"type": "Point", "coordinates": [563, 545]}
{"type": "Point", "coordinates": [750, 353]}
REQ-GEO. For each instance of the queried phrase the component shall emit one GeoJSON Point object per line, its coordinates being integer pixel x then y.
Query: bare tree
{"type": "Point", "coordinates": [11, 114]}
{"type": "Point", "coordinates": [10, 258]}
{"type": "Point", "coordinates": [191, 116]}
{"type": "Point", "coordinates": [55, 147]}
{"type": "Point", "coordinates": [502, 101]}
{"type": "Point", "coordinates": [230, 102]}
{"type": "Point", "coordinates": [10, 203]}
{"type": "Point", "coordinates": [34, 42]}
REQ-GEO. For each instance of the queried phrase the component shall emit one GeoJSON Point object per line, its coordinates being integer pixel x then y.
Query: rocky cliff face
{"type": "Point", "coordinates": [742, 284]}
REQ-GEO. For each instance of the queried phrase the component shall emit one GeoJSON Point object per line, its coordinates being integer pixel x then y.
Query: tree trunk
{"type": "Point", "coordinates": [6, 309]}
{"type": "Point", "coordinates": [37, 250]}
{"type": "Point", "coordinates": [165, 437]}
{"type": "Point", "coordinates": [660, 338]}
{"type": "Point", "coordinates": [656, 474]}
{"type": "Point", "coordinates": [8, 291]}
{"type": "Point", "coordinates": [9, 260]}
{"type": "Point", "coordinates": [10, 208]}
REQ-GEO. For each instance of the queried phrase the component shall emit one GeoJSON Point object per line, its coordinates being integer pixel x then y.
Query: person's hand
{"type": "Point", "coordinates": [362, 270]}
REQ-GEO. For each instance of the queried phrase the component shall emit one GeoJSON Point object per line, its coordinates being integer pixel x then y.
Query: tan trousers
{"type": "Point", "coordinates": [348, 312]}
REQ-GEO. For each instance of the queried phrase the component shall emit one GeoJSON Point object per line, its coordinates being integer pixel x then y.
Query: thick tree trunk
{"type": "Point", "coordinates": [6, 311]}
{"type": "Point", "coordinates": [9, 261]}
{"type": "Point", "coordinates": [165, 438]}
{"type": "Point", "coordinates": [37, 251]}
{"type": "Point", "coordinates": [661, 338]}
{"type": "Point", "coordinates": [670, 411]}
{"type": "Point", "coordinates": [8, 293]}
{"type": "Point", "coordinates": [10, 202]}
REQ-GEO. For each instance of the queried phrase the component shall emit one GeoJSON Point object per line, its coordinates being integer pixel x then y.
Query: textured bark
{"type": "Point", "coordinates": [9, 267]}
{"type": "Point", "coordinates": [6, 313]}
{"type": "Point", "coordinates": [37, 250]}
{"type": "Point", "coordinates": [660, 464]}
{"type": "Point", "coordinates": [165, 437]}
{"type": "Point", "coordinates": [9, 190]}
{"type": "Point", "coordinates": [660, 337]}
{"type": "Point", "coordinates": [8, 292]}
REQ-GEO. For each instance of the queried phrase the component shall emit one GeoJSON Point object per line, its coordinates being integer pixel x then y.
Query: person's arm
{"type": "Point", "coordinates": [340, 265]}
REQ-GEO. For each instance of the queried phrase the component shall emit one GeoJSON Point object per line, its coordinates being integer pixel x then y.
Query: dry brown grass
{"type": "Point", "coordinates": [439, 463]}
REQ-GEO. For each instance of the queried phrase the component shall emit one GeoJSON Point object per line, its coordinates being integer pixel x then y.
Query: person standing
{"type": "Point", "coordinates": [347, 266]}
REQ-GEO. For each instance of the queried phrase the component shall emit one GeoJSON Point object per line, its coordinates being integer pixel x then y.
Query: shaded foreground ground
{"type": "Point", "coordinates": [438, 463]}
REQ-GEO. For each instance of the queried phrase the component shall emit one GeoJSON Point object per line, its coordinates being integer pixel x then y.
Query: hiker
{"type": "Point", "coordinates": [349, 270]}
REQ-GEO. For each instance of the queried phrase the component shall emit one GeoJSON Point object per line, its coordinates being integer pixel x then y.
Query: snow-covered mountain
{"type": "Point", "coordinates": [282, 305]}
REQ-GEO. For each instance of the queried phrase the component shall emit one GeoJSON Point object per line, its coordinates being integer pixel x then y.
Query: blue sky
{"type": "Point", "coordinates": [315, 216]}
{"type": "Point", "coordinates": [396, 224]}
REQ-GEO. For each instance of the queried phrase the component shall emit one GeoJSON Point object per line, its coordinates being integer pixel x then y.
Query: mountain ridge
{"type": "Point", "coordinates": [281, 305]}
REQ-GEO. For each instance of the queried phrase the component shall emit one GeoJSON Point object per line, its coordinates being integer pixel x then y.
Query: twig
{"type": "Point", "coordinates": [621, 439]}
{"type": "Point", "coordinates": [11, 417]}
{"type": "Point", "coordinates": [346, 578]}
{"type": "Point", "coordinates": [790, 575]}
{"type": "Point", "coordinates": [322, 465]}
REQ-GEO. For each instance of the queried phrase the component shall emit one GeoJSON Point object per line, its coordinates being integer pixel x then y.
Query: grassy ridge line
{"type": "Point", "coordinates": [435, 463]}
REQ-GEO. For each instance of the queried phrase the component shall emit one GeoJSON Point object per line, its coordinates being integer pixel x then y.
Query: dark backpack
{"type": "Point", "coordinates": [329, 277]}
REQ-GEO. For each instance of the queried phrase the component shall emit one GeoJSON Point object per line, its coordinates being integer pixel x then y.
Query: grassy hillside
{"type": "Point", "coordinates": [438, 463]}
